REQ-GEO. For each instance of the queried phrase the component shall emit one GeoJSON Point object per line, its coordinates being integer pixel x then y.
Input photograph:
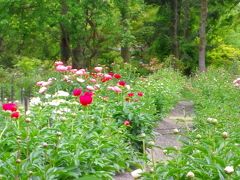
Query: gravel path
{"type": "Point", "coordinates": [180, 119]}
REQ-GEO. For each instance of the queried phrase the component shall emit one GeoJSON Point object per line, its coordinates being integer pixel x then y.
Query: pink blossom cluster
{"type": "Point", "coordinates": [236, 82]}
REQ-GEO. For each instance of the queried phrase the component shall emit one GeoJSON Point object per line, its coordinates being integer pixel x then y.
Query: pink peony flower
{"type": "Point", "coordinates": [73, 70]}
{"type": "Point", "coordinates": [57, 63]}
{"type": "Point", "coordinates": [42, 90]}
{"type": "Point", "coordinates": [61, 68]}
{"type": "Point", "coordinates": [80, 73]}
{"type": "Point", "coordinates": [106, 77]}
{"type": "Point", "coordinates": [77, 92]}
{"type": "Point", "coordinates": [98, 69]}
{"type": "Point", "coordinates": [69, 68]}
{"type": "Point", "coordinates": [97, 86]}
{"type": "Point", "coordinates": [127, 123]}
{"type": "Point", "coordinates": [93, 80]}
{"type": "Point", "coordinates": [9, 107]}
{"type": "Point", "coordinates": [90, 88]}
{"type": "Point", "coordinates": [39, 83]}
{"type": "Point", "coordinates": [117, 89]}
{"type": "Point", "coordinates": [86, 100]}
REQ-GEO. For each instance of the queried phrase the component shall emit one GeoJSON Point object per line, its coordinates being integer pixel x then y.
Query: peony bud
{"type": "Point", "coordinates": [18, 161]}
{"type": "Point", "coordinates": [28, 120]}
{"type": "Point", "coordinates": [190, 175]}
{"type": "Point", "coordinates": [44, 144]}
{"type": "Point", "coordinates": [229, 169]}
{"type": "Point", "coordinates": [225, 135]}
{"type": "Point", "coordinates": [198, 136]}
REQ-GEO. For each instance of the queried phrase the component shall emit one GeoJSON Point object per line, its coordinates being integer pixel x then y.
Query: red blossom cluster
{"type": "Point", "coordinates": [11, 107]}
{"type": "Point", "coordinates": [85, 99]}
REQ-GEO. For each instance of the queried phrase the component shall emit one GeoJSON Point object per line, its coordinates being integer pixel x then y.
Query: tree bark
{"type": "Point", "coordinates": [125, 50]}
{"type": "Point", "coordinates": [202, 34]}
{"type": "Point", "coordinates": [175, 27]}
{"type": "Point", "coordinates": [78, 59]}
{"type": "Point", "coordinates": [64, 42]}
{"type": "Point", "coordinates": [186, 19]}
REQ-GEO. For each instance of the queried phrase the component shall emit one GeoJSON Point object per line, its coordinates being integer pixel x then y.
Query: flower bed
{"type": "Point", "coordinates": [81, 123]}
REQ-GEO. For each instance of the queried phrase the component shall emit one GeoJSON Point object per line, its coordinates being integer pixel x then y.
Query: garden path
{"type": "Point", "coordinates": [180, 119]}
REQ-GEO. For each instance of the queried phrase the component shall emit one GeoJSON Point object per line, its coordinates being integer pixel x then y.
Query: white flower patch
{"type": "Point", "coordinates": [35, 101]}
{"type": "Point", "coordinates": [56, 102]}
{"type": "Point", "coordinates": [61, 94]}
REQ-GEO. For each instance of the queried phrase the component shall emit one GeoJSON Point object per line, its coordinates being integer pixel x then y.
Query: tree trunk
{"type": "Point", "coordinates": [64, 42]}
{"type": "Point", "coordinates": [203, 40]}
{"type": "Point", "coordinates": [1, 44]}
{"type": "Point", "coordinates": [125, 50]}
{"type": "Point", "coordinates": [186, 19]}
{"type": "Point", "coordinates": [175, 27]}
{"type": "Point", "coordinates": [78, 59]}
{"type": "Point", "coordinates": [125, 53]}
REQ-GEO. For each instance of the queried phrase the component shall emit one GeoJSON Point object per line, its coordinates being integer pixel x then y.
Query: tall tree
{"type": "Point", "coordinates": [202, 36]}
{"type": "Point", "coordinates": [174, 4]}
{"type": "Point", "coordinates": [65, 38]}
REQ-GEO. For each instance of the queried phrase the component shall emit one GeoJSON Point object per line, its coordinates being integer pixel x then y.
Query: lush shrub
{"type": "Point", "coordinates": [224, 56]}
{"type": "Point", "coordinates": [213, 145]}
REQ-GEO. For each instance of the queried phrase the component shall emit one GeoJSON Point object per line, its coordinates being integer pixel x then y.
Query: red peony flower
{"type": "Point", "coordinates": [111, 73]}
{"type": "Point", "coordinates": [122, 83]}
{"type": "Point", "coordinates": [106, 77]}
{"type": "Point", "coordinates": [88, 94]}
{"type": "Point", "coordinates": [130, 94]}
{"type": "Point", "coordinates": [117, 76]}
{"type": "Point", "coordinates": [9, 107]}
{"type": "Point", "coordinates": [15, 115]}
{"type": "Point", "coordinates": [77, 92]}
{"type": "Point", "coordinates": [140, 94]}
{"type": "Point", "coordinates": [86, 100]}
{"type": "Point", "coordinates": [127, 123]}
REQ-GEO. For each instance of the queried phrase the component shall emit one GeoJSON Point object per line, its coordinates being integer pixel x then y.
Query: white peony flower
{"type": "Point", "coordinates": [54, 103]}
{"type": "Point", "coordinates": [47, 96]}
{"type": "Point", "coordinates": [128, 87]}
{"type": "Point", "coordinates": [137, 173]}
{"type": "Point", "coordinates": [80, 80]}
{"type": "Point", "coordinates": [28, 112]}
{"type": "Point", "coordinates": [229, 169]}
{"type": "Point", "coordinates": [212, 120]}
{"type": "Point", "coordinates": [61, 94]}
{"type": "Point", "coordinates": [35, 101]}
{"type": "Point", "coordinates": [90, 88]}
{"type": "Point", "coordinates": [42, 90]}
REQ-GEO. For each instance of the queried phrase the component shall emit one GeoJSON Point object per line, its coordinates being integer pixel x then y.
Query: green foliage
{"type": "Point", "coordinates": [223, 56]}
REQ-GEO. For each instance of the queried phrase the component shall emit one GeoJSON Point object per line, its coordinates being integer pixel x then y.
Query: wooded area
{"type": "Point", "coordinates": [88, 32]}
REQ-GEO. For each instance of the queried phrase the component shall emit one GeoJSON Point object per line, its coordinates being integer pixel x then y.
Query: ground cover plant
{"type": "Point", "coordinates": [83, 123]}
{"type": "Point", "coordinates": [211, 149]}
